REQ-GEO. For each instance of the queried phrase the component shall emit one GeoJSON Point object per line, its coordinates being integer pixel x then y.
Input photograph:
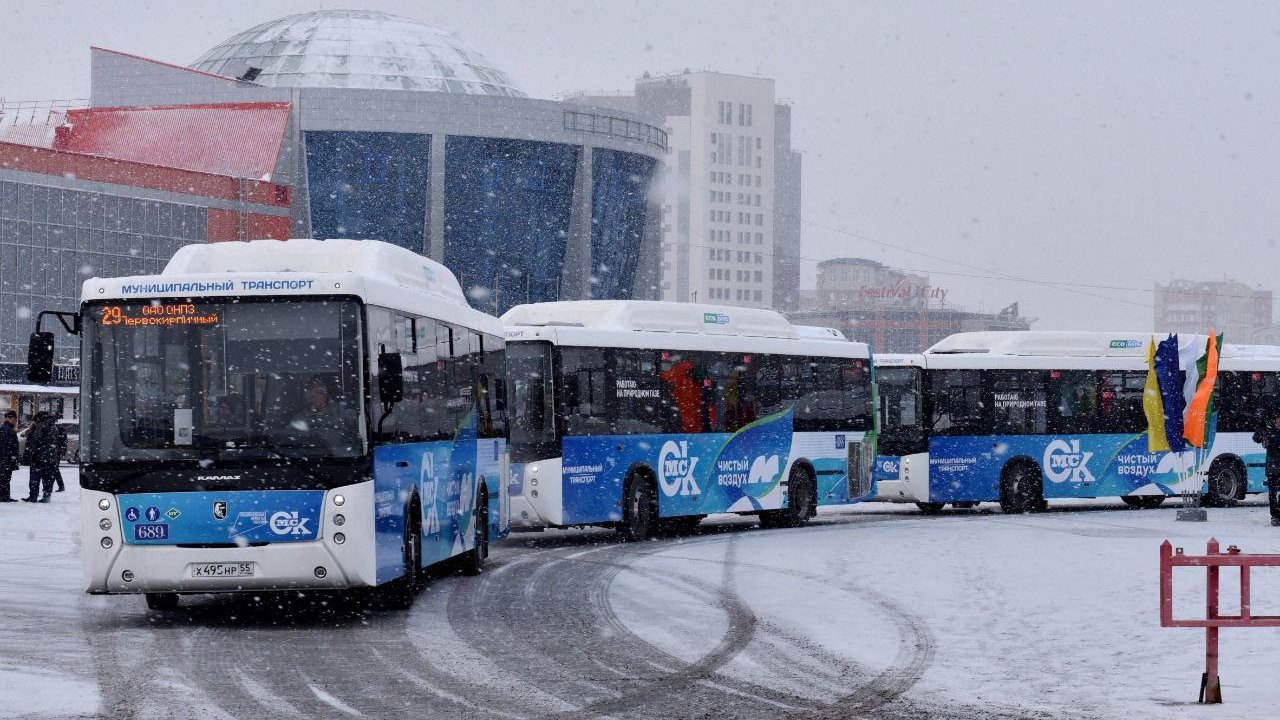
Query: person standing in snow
{"type": "Point", "coordinates": [1268, 436]}
{"type": "Point", "coordinates": [60, 434]}
{"type": "Point", "coordinates": [8, 453]}
{"type": "Point", "coordinates": [41, 454]}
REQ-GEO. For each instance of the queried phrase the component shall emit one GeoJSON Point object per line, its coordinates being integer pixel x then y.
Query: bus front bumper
{"type": "Point", "coordinates": [113, 566]}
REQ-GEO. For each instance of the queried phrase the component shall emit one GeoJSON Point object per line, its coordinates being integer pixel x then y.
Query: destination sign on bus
{"type": "Point", "coordinates": [158, 315]}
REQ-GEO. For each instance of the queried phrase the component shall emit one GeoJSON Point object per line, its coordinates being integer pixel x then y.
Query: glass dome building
{"type": "Point", "coordinates": [396, 131]}
{"type": "Point", "coordinates": [356, 49]}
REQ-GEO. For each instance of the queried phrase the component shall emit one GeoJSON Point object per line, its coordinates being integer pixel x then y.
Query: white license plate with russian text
{"type": "Point", "coordinates": [220, 570]}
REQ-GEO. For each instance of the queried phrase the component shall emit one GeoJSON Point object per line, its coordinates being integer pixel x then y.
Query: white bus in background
{"type": "Point", "coordinates": [1023, 418]}
{"type": "Point", "coordinates": [633, 413]}
{"type": "Point", "coordinates": [271, 415]}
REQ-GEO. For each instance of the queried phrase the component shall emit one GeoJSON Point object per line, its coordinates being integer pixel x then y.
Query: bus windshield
{"type": "Point", "coordinates": [223, 378]}
{"type": "Point", "coordinates": [531, 405]}
{"type": "Point", "coordinates": [901, 423]}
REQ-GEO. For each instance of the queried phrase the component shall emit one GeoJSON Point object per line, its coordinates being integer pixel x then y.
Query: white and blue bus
{"type": "Point", "coordinates": [1023, 418]}
{"type": "Point", "coordinates": [303, 414]}
{"type": "Point", "coordinates": [638, 414]}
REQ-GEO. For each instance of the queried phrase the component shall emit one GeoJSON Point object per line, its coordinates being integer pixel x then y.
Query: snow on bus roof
{"type": "Point", "coordinates": [818, 332]}
{"type": "Point", "coordinates": [1053, 343]}
{"type": "Point", "coordinates": [654, 316]}
{"type": "Point", "coordinates": [370, 258]}
{"type": "Point", "coordinates": [377, 272]}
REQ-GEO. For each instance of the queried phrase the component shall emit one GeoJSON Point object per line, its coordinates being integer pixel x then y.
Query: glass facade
{"type": "Point", "coordinates": [53, 239]}
{"type": "Point", "coordinates": [369, 186]}
{"type": "Point", "coordinates": [620, 184]}
{"type": "Point", "coordinates": [507, 210]}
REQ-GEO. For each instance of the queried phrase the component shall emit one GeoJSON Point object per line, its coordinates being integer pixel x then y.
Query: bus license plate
{"type": "Point", "coordinates": [221, 570]}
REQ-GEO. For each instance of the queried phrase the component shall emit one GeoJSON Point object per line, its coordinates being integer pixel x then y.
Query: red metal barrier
{"type": "Point", "coordinates": [1212, 561]}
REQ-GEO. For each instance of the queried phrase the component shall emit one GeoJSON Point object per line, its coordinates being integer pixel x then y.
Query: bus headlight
{"type": "Point", "coordinates": [106, 543]}
{"type": "Point", "coordinates": [339, 538]}
{"type": "Point", "coordinates": [104, 524]}
{"type": "Point", "coordinates": [321, 572]}
{"type": "Point", "coordinates": [339, 520]}
{"type": "Point", "coordinates": [339, 500]}
{"type": "Point", "coordinates": [104, 504]}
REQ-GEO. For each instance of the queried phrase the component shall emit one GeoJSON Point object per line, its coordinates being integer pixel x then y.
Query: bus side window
{"type": "Point", "coordinates": [1073, 400]}
{"type": "Point", "coordinates": [1018, 402]}
{"type": "Point", "coordinates": [637, 392]}
{"type": "Point", "coordinates": [1120, 402]}
{"type": "Point", "coordinates": [956, 400]}
{"type": "Point", "coordinates": [585, 391]}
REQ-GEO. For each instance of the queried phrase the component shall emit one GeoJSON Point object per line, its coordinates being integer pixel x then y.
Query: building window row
{"type": "Point", "coordinates": [747, 180]}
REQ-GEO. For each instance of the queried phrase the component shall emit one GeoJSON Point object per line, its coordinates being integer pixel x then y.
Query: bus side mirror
{"type": "Point", "coordinates": [390, 378]}
{"type": "Point", "coordinates": [40, 358]}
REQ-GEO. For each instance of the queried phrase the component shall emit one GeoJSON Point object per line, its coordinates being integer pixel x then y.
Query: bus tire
{"type": "Point", "coordinates": [965, 505]}
{"type": "Point", "coordinates": [162, 601]}
{"type": "Point", "coordinates": [1225, 486]}
{"type": "Point", "coordinates": [1143, 502]}
{"type": "Point", "coordinates": [640, 508]}
{"type": "Point", "coordinates": [399, 594]}
{"type": "Point", "coordinates": [473, 559]}
{"type": "Point", "coordinates": [1021, 489]}
{"type": "Point", "coordinates": [930, 508]}
{"type": "Point", "coordinates": [801, 498]}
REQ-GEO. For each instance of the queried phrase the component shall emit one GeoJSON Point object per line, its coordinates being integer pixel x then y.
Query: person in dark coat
{"type": "Point", "coordinates": [62, 452]}
{"type": "Point", "coordinates": [41, 454]}
{"type": "Point", "coordinates": [1268, 436]}
{"type": "Point", "coordinates": [8, 453]}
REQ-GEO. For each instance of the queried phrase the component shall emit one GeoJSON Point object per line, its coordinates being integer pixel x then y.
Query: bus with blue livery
{"type": "Point", "coordinates": [1024, 418]}
{"type": "Point", "coordinates": [646, 415]}
{"type": "Point", "coordinates": [273, 415]}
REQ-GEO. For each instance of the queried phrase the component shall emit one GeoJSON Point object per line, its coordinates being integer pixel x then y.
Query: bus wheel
{"type": "Point", "coordinates": [1020, 490]}
{"type": "Point", "coordinates": [639, 515]}
{"type": "Point", "coordinates": [473, 559]}
{"type": "Point", "coordinates": [1225, 484]}
{"type": "Point", "coordinates": [966, 505]}
{"type": "Point", "coordinates": [1143, 502]}
{"type": "Point", "coordinates": [930, 508]}
{"type": "Point", "coordinates": [400, 594]}
{"type": "Point", "coordinates": [800, 501]}
{"type": "Point", "coordinates": [162, 601]}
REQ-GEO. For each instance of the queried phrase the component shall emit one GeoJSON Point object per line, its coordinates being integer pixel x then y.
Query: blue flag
{"type": "Point", "coordinates": [1168, 376]}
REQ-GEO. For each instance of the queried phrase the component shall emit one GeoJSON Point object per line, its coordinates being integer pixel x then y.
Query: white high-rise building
{"type": "Point", "coordinates": [720, 196]}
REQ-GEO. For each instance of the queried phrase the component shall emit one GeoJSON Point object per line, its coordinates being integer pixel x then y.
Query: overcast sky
{"type": "Point", "coordinates": [1063, 155]}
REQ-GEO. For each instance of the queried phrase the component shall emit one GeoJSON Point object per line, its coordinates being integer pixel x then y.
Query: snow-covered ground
{"type": "Point", "coordinates": [875, 612]}
{"type": "Point", "coordinates": [1056, 612]}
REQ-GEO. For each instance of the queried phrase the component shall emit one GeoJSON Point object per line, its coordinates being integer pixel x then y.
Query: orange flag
{"type": "Point", "coordinates": [1198, 412]}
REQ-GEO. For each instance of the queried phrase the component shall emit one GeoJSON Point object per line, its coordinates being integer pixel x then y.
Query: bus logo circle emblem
{"type": "Point", "coordinates": [1063, 462]}
{"type": "Point", "coordinates": [675, 469]}
{"type": "Point", "coordinates": [288, 523]}
{"type": "Point", "coordinates": [220, 510]}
